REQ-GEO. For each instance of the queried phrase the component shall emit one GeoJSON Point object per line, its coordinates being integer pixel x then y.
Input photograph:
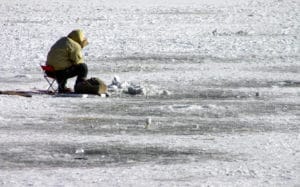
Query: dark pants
{"type": "Point", "coordinates": [79, 70]}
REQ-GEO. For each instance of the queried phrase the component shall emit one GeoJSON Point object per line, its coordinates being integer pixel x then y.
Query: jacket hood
{"type": "Point", "coordinates": [78, 36]}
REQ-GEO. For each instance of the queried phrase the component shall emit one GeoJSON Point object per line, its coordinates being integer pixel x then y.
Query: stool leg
{"type": "Point", "coordinates": [51, 84]}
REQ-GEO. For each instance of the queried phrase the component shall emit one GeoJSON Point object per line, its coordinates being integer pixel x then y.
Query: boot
{"type": "Point", "coordinates": [65, 90]}
{"type": "Point", "coordinates": [62, 87]}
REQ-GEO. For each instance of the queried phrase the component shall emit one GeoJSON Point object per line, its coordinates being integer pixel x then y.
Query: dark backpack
{"type": "Point", "coordinates": [91, 86]}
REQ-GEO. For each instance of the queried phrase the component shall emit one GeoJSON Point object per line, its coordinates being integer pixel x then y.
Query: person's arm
{"type": "Point", "coordinates": [76, 56]}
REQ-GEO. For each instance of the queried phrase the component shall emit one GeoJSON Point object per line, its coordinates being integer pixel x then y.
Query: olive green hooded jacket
{"type": "Point", "coordinates": [67, 51]}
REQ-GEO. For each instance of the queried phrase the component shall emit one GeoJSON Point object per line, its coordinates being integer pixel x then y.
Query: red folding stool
{"type": "Point", "coordinates": [49, 75]}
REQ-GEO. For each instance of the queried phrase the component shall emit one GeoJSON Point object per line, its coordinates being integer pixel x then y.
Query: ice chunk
{"type": "Point", "coordinates": [79, 151]}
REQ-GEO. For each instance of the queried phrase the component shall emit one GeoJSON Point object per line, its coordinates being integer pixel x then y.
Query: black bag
{"type": "Point", "coordinates": [91, 86]}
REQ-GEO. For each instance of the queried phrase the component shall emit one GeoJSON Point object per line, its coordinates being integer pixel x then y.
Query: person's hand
{"type": "Point", "coordinates": [84, 43]}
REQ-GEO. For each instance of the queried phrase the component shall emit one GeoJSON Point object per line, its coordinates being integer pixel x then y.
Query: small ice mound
{"type": "Point", "coordinates": [79, 151]}
{"type": "Point", "coordinates": [165, 92]}
{"type": "Point", "coordinates": [80, 154]}
{"type": "Point", "coordinates": [241, 33]}
{"type": "Point", "coordinates": [135, 89]}
{"type": "Point", "coordinates": [148, 122]}
{"type": "Point", "coordinates": [116, 84]}
{"type": "Point", "coordinates": [152, 90]}
{"type": "Point", "coordinates": [125, 87]}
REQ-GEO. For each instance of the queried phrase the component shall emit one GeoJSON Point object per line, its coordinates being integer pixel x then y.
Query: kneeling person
{"type": "Point", "coordinates": [65, 56]}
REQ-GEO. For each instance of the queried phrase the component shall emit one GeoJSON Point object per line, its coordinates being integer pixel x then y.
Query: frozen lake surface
{"type": "Point", "coordinates": [221, 102]}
